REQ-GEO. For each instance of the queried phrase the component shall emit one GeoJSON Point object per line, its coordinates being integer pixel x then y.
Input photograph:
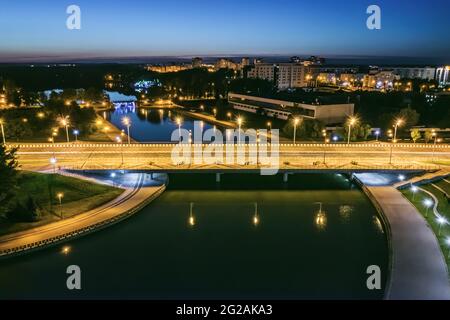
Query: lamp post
{"type": "Point", "coordinates": [60, 196]}
{"type": "Point", "coordinates": [119, 140]}
{"type": "Point", "coordinates": [191, 215]}
{"type": "Point", "coordinates": [414, 191]}
{"type": "Point", "coordinates": [3, 131]}
{"type": "Point", "coordinates": [377, 134]}
{"type": "Point", "coordinates": [215, 112]}
{"type": "Point", "coordinates": [436, 140]}
{"type": "Point", "coordinates": [325, 150]}
{"type": "Point", "coordinates": [239, 121]}
{"type": "Point", "coordinates": [398, 123]}
{"type": "Point", "coordinates": [229, 116]}
{"type": "Point", "coordinates": [53, 161]}
{"type": "Point", "coordinates": [127, 122]}
{"type": "Point", "coordinates": [269, 125]}
{"type": "Point", "coordinates": [76, 133]}
{"type": "Point", "coordinates": [427, 203]}
{"type": "Point", "coordinates": [65, 123]}
{"type": "Point", "coordinates": [296, 122]}
{"type": "Point", "coordinates": [351, 122]}
{"type": "Point", "coordinates": [441, 221]}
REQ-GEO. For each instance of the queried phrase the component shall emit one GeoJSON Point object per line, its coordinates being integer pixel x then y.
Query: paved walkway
{"type": "Point", "coordinates": [418, 268]}
{"type": "Point", "coordinates": [129, 202]}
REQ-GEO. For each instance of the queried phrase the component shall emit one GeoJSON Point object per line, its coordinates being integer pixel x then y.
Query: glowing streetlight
{"type": "Point", "coordinates": [53, 162]}
{"type": "Point", "coordinates": [441, 221]}
{"type": "Point", "coordinates": [3, 131]}
{"type": "Point", "coordinates": [414, 190]}
{"type": "Point", "coordinates": [229, 115]}
{"type": "Point", "coordinates": [76, 133]}
{"type": "Point", "coordinates": [397, 124]}
{"type": "Point", "coordinates": [239, 121]}
{"type": "Point", "coordinates": [351, 122]}
{"type": "Point", "coordinates": [215, 112]}
{"type": "Point", "coordinates": [127, 122]}
{"type": "Point", "coordinates": [65, 123]}
{"type": "Point", "coordinates": [377, 134]}
{"type": "Point", "coordinates": [427, 203]}
{"type": "Point", "coordinates": [401, 177]}
{"type": "Point", "coordinates": [60, 195]}
{"type": "Point", "coordinates": [296, 122]}
{"type": "Point", "coordinates": [119, 140]}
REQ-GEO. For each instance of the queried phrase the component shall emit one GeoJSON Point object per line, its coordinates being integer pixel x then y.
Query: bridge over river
{"type": "Point", "coordinates": [304, 157]}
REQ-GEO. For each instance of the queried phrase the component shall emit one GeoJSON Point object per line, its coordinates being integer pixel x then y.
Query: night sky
{"type": "Point", "coordinates": [37, 29]}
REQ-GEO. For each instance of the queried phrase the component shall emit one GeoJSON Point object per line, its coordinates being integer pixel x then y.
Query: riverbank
{"type": "Point", "coordinates": [128, 203]}
{"type": "Point", "coordinates": [77, 195]}
{"type": "Point", "coordinates": [417, 267]}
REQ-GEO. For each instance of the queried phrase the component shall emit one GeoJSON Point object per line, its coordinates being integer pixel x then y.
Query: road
{"type": "Point", "coordinates": [98, 156]}
{"type": "Point", "coordinates": [121, 207]}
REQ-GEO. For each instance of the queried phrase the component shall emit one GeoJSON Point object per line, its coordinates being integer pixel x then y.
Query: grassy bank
{"type": "Point", "coordinates": [443, 207]}
{"type": "Point", "coordinates": [78, 196]}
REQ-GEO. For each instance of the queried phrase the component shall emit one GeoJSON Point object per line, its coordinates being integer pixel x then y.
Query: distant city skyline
{"type": "Point", "coordinates": [36, 31]}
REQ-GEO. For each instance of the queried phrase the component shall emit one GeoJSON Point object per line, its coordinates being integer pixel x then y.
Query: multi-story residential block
{"type": "Point", "coordinates": [443, 75]}
{"type": "Point", "coordinates": [283, 75]}
{"type": "Point", "coordinates": [223, 63]}
{"type": "Point", "coordinates": [425, 73]}
{"type": "Point", "coordinates": [380, 80]}
{"type": "Point", "coordinates": [197, 62]}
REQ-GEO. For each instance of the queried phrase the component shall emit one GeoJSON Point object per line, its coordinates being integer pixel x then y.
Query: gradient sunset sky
{"type": "Point", "coordinates": [37, 29]}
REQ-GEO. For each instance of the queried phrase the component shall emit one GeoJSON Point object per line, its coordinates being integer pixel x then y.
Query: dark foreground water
{"type": "Point", "coordinates": [227, 247]}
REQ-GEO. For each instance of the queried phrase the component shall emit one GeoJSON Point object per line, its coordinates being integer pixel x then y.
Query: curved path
{"type": "Point", "coordinates": [418, 268]}
{"type": "Point", "coordinates": [129, 202]}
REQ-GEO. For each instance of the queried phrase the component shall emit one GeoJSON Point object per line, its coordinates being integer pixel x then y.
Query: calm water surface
{"type": "Point", "coordinates": [227, 247]}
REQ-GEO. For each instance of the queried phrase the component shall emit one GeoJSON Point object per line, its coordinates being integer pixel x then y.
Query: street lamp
{"type": "Point", "coordinates": [76, 133]}
{"type": "Point", "coordinates": [127, 122]}
{"type": "Point", "coordinates": [215, 112]}
{"type": "Point", "coordinates": [441, 221]}
{"type": "Point", "coordinates": [296, 122]}
{"type": "Point", "coordinates": [397, 124]}
{"type": "Point", "coordinates": [436, 140]}
{"type": "Point", "coordinates": [427, 203]}
{"type": "Point", "coordinates": [255, 216]}
{"type": "Point", "coordinates": [325, 150]}
{"type": "Point", "coordinates": [377, 134]}
{"type": "Point", "coordinates": [60, 196]}
{"type": "Point", "coordinates": [351, 122]}
{"type": "Point", "coordinates": [119, 140]}
{"type": "Point", "coordinates": [239, 121]}
{"type": "Point", "coordinates": [414, 190]}
{"type": "Point", "coordinates": [53, 161]}
{"type": "Point", "coordinates": [65, 123]}
{"type": "Point", "coordinates": [3, 131]}
{"type": "Point", "coordinates": [401, 177]}
{"type": "Point", "coordinates": [229, 116]}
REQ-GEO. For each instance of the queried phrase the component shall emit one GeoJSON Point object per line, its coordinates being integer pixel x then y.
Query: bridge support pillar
{"type": "Point", "coordinates": [285, 177]}
{"type": "Point", "coordinates": [218, 177]}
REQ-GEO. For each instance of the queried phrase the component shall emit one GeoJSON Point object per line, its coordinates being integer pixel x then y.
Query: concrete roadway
{"type": "Point", "coordinates": [157, 157]}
